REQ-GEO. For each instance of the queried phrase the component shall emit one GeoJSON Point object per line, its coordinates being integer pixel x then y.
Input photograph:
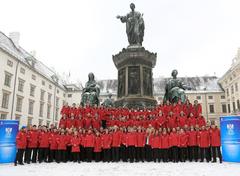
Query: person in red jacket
{"type": "Point", "coordinates": [131, 141]}
{"type": "Point", "coordinates": [97, 147]}
{"type": "Point", "coordinates": [193, 144]}
{"type": "Point", "coordinates": [156, 144]}
{"type": "Point", "coordinates": [165, 145]}
{"type": "Point", "coordinates": [141, 139]}
{"type": "Point", "coordinates": [89, 145]}
{"type": "Point", "coordinates": [32, 145]}
{"type": "Point", "coordinates": [70, 122]}
{"type": "Point", "coordinates": [106, 145]}
{"type": "Point", "coordinates": [62, 147]}
{"type": "Point", "coordinates": [204, 144]}
{"type": "Point", "coordinates": [201, 121]}
{"type": "Point", "coordinates": [21, 142]}
{"type": "Point", "coordinates": [182, 119]}
{"type": "Point", "coordinates": [174, 140]}
{"type": "Point", "coordinates": [53, 145]}
{"type": "Point", "coordinates": [75, 143]}
{"type": "Point", "coordinates": [116, 142]}
{"type": "Point", "coordinates": [63, 121]}
{"type": "Point", "coordinates": [43, 139]}
{"type": "Point", "coordinates": [215, 139]}
{"type": "Point", "coordinates": [184, 139]}
{"type": "Point", "coordinates": [123, 148]}
{"type": "Point", "coordinates": [196, 109]}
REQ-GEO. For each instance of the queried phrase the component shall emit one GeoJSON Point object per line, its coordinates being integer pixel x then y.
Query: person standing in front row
{"type": "Point", "coordinates": [215, 143]}
{"type": "Point", "coordinates": [21, 142]}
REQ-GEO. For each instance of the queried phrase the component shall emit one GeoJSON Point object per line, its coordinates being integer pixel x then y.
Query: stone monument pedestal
{"type": "Point", "coordinates": [135, 82]}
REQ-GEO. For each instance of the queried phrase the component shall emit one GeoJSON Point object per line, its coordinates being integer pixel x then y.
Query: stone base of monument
{"type": "Point", "coordinates": [135, 83]}
{"type": "Point", "coordinates": [135, 102]}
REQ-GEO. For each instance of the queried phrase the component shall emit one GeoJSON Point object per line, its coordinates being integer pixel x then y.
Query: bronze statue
{"type": "Point", "coordinates": [134, 26]}
{"type": "Point", "coordinates": [91, 92]}
{"type": "Point", "coordinates": [109, 101]}
{"type": "Point", "coordinates": [175, 89]}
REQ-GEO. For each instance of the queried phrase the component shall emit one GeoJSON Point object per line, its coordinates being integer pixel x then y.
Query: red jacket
{"type": "Point", "coordinates": [87, 122]}
{"type": "Point", "coordinates": [21, 140]}
{"type": "Point", "coordinates": [201, 121]}
{"type": "Point", "coordinates": [165, 141]}
{"type": "Point", "coordinates": [196, 110]}
{"type": "Point", "coordinates": [141, 139]}
{"type": "Point", "coordinates": [106, 141]}
{"type": "Point", "coordinates": [32, 138]}
{"type": "Point", "coordinates": [215, 137]}
{"type": "Point", "coordinates": [53, 141]}
{"type": "Point", "coordinates": [43, 139]}
{"type": "Point", "coordinates": [98, 144]}
{"type": "Point", "coordinates": [62, 123]}
{"type": "Point", "coordinates": [70, 123]}
{"type": "Point", "coordinates": [62, 142]}
{"type": "Point", "coordinates": [174, 139]}
{"type": "Point", "coordinates": [155, 141]}
{"type": "Point", "coordinates": [131, 139]}
{"type": "Point", "coordinates": [182, 120]}
{"type": "Point", "coordinates": [193, 138]}
{"type": "Point", "coordinates": [172, 122]}
{"type": "Point", "coordinates": [96, 123]}
{"type": "Point", "coordinates": [75, 143]}
{"type": "Point", "coordinates": [89, 140]}
{"type": "Point", "coordinates": [192, 121]}
{"type": "Point", "coordinates": [204, 139]}
{"type": "Point", "coordinates": [184, 139]}
{"type": "Point", "coordinates": [116, 139]}
{"type": "Point", "coordinates": [124, 139]}
{"type": "Point", "coordinates": [79, 123]}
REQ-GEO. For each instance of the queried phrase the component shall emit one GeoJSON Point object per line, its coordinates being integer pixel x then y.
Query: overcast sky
{"type": "Point", "coordinates": [197, 37]}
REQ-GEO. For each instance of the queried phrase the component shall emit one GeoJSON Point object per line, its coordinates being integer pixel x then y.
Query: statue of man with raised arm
{"type": "Point", "coordinates": [134, 26]}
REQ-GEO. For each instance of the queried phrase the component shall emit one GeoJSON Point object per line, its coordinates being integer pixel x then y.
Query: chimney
{"type": "Point", "coordinates": [15, 37]}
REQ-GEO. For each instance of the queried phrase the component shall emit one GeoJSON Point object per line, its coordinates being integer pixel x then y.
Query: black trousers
{"type": "Point", "coordinates": [76, 156]}
{"type": "Point", "coordinates": [106, 155]}
{"type": "Point", "coordinates": [183, 154]}
{"type": "Point", "coordinates": [82, 153]}
{"type": "Point", "coordinates": [205, 153]}
{"type": "Point", "coordinates": [175, 154]}
{"type": "Point", "coordinates": [123, 153]}
{"type": "Point", "coordinates": [89, 154]}
{"type": "Point", "coordinates": [52, 155]}
{"type": "Point", "coordinates": [30, 155]}
{"type": "Point", "coordinates": [156, 154]}
{"type": "Point", "coordinates": [193, 153]}
{"type": "Point", "coordinates": [115, 154]}
{"type": "Point", "coordinates": [140, 154]}
{"type": "Point", "coordinates": [131, 153]}
{"type": "Point", "coordinates": [148, 153]}
{"type": "Point", "coordinates": [97, 156]}
{"type": "Point", "coordinates": [165, 155]}
{"type": "Point", "coordinates": [216, 152]}
{"type": "Point", "coordinates": [43, 154]}
{"type": "Point", "coordinates": [69, 156]}
{"type": "Point", "coordinates": [61, 156]}
{"type": "Point", "coordinates": [19, 156]}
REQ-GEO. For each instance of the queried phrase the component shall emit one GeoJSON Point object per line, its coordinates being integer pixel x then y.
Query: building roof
{"type": "Point", "coordinates": [26, 58]}
{"type": "Point", "coordinates": [197, 84]}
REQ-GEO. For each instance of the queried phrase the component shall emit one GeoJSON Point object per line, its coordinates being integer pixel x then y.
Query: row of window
{"type": "Point", "coordinates": [8, 79]}
{"type": "Point", "coordinates": [234, 88]}
{"type": "Point", "coordinates": [210, 97]}
{"type": "Point", "coordinates": [19, 104]}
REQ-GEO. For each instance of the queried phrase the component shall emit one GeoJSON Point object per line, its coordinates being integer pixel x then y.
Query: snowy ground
{"type": "Point", "coordinates": [125, 169]}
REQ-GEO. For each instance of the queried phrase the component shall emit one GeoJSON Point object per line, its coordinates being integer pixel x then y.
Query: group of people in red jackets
{"type": "Point", "coordinates": [169, 132]}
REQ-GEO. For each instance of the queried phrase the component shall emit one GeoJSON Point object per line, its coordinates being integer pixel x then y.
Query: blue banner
{"type": "Point", "coordinates": [8, 133]}
{"type": "Point", "coordinates": [230, 138]}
